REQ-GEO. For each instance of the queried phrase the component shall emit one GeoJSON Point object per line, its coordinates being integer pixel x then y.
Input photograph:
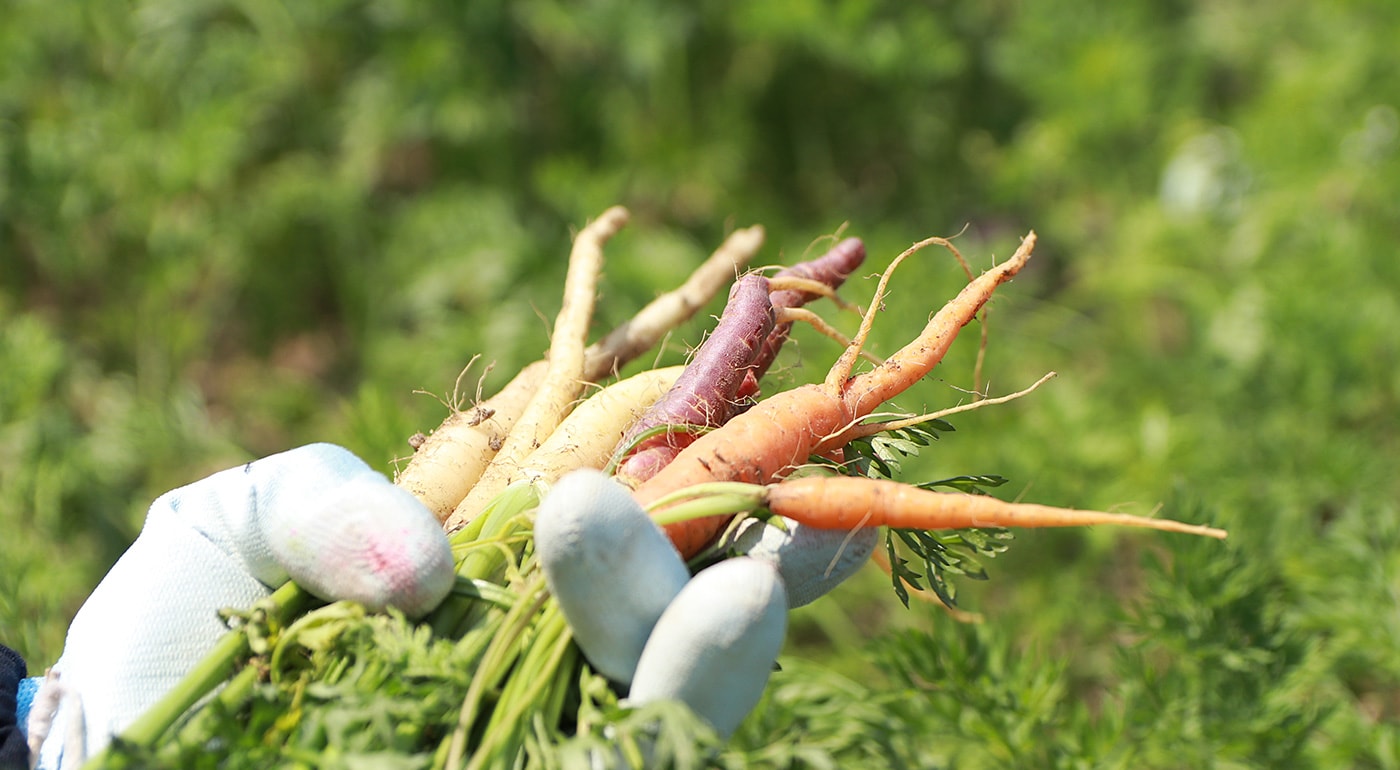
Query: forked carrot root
{"type": "Point", "coordinates": [847, 502]}
{"type": "Point", "coordinates": [783, 431]}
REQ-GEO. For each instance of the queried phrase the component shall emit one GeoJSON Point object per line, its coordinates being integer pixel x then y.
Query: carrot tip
{"type": "Point", "coordinates": [1169, 525]}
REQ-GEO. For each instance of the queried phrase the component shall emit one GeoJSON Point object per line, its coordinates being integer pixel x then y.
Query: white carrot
{"type": "Point", "coordinates": [564, 379]}
{"type": "Point", "coordinates": [587, 437]}
{"type": "Point", "coordinates": [453, 457]}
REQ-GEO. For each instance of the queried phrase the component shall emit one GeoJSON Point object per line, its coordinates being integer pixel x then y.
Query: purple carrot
{"type": "Point", "coordinates": [707, 393]}
{"type": "Point", "coordinates": [832, 269]}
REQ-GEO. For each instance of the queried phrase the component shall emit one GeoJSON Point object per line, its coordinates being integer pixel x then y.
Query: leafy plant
{"type": "Point", "coordinates": [345, 202]}
{"type": "Point", "coordinates": [881, 455]}
{"type": "Point", "coordinates": [957, 552]}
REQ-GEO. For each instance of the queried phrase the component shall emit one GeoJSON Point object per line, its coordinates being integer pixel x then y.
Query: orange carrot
{"type": "Point", "coordinates": [783, 431]}
{"type": "Point", "coordinates": [848, 502]}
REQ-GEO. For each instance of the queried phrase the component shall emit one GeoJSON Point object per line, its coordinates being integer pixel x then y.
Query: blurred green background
{"type": "Point", "coordinates": [229, 228]}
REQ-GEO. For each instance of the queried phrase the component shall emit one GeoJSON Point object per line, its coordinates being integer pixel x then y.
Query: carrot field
{"type": "Point", "coordinates": [228, 229]}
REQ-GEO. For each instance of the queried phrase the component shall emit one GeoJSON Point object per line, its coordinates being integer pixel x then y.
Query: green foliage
{"type": "Point", "coordinates": [881, 455]}
{"type": "Point", "coordinates": [230, 228]}
{"type": "Point", "coordinates": [810, 717]}
{"type": "Point", "coordinates": [352, 691]}
{"type": "Point", "coordinates": [941, 553]}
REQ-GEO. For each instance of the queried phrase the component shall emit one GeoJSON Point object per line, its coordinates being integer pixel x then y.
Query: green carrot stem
{"type": "Point", "coordinates": [228, 699]}
{"type": "Point", "coordinates": [484, 591]}
{"type": "Point", "coordinates": [212, 671]}
{"type": "Point", "coordinates": [564, 676]}
{"type": "Point", "coordinates": [500, 655]}
{"type": "Point", "coordinates": [717, 498]}
{"type": "Point", "coordinates": [489, 540]}
{"type": "Point", "coordinates": [525, 694]}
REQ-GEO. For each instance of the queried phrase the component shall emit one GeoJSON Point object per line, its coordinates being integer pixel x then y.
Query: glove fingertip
{"type": "Point", "coordinates": [811, 561]}
{"type": "Point", "coordinates": [371, 542]}
{"type": "Point", "coordinates": [612, 570]}
{"type": "Point", "coordinates": [714, 647]}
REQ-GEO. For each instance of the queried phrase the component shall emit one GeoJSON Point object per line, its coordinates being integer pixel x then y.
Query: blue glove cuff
{"type": "Point", "coordinates": [24, 699]}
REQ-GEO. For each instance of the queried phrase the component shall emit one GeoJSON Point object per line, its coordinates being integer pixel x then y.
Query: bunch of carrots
{"type": "Point", "coordinates": [707, 427]}
{"type": "Point", "coordinates": [697, 444]}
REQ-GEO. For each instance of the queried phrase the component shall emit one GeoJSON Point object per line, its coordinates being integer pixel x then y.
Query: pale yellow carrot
{"type": "Point", "coordinates": [588, 436]}
{"type": "Point", "coordinates": [564, 379]}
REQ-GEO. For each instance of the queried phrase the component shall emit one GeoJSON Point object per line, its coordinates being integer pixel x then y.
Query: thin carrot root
{"type": "Point", "coordinates": [795, 286]}
{"type": "Point", "coordinates": [810, 286]}
{"type": "Point", "coordinates": [790, 315]}
{"type": "Point", "coordinates": [845, 502]}
{"type": "Point", "coordinates": [861, 430]}
{"type": "Point", "coordinates": [864, 393]}
{"type": "Point", "coordinates": [841, 371]}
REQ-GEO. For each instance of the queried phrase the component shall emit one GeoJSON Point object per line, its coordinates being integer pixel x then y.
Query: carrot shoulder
{"type": "Point", "coordinates": [769, 440]}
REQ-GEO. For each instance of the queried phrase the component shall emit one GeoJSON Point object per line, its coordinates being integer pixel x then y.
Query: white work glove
{"type": "Point", "coordinates": [317, 515]}
{"type": "Point", "coordinates": [320, 516]}
{"type": "Point", "coordinates": [640, 618]}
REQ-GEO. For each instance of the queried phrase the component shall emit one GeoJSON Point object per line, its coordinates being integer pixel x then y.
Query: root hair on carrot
{"type": "Point", "coordinates": [861, 430]}
{"type": "Point", "coordinates": [834, 237]}
{"type": "Point", "coordinates": [453, 401]}
{"type": "Point", "coordinates": [841, 370]}
{"type": "Point", "coordinates": [792, 314]}
{"type": "Point", "coordinates": [809, 285]}
{"type": "Point", "coordinates": [841, 549]}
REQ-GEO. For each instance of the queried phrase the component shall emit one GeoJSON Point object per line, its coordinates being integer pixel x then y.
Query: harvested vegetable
{"type": "Point", "coordinates": [522, 666]}
{"type": "Point", "coordinates": [783, 431]}
{"type": "Point", "coordinates": [795, 286]}
{"type": "Point", "coordinates": [585, 439]}
{"type": "Point", "coordinates": [844, 502]}
{"type": "Point", "coordinates": [452, 458]}
{"type": "Point", "coordinates": [707, 392]}
{"type": "Point", "coordinates": [563, 379]}
{"type": "Point", "coordinates": [726, 369]}
{"type": "Point", "coordinates": [850, 503]}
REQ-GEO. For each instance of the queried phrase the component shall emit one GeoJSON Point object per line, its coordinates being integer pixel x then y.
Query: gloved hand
{"type": "Point", "coordinates": [316, 514]}
{"type": "Point", "coordinates": [322, 517]}
{"type": "Point", "coordinates": [640, 618]}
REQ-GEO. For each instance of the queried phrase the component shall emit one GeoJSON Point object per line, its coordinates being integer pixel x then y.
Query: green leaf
{"type": "Point", "coordinates": [973, 485]}
{"type": "Point", "coordinates": [957, 552]}
{"type": "Point", "coordinates": [880, 455]}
